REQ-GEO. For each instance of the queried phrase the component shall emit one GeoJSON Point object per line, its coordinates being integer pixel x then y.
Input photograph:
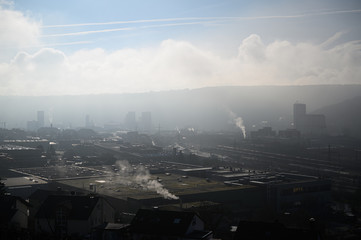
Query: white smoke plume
{"type": "Point", "coordinates": [130, 176]}
{"type": "Point", "coordinates": [238, 121]}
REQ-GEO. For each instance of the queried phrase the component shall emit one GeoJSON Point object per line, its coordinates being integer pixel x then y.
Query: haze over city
{"type": "Point", "coordinates": [159, 119]}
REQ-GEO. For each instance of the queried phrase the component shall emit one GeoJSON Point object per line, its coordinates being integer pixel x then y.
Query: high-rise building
{"type": "Point", "coordinates": [87, 121]}
{"type": "Point", "coordinates": [308, 124]}
{"type": "Point", "coordinates": [130, 122]}
{"type": "Point", "coordinates": [299, 112]}
{"type": "Point", "coordinates": [146, 121]}
{"type": "Point", "coordinates": [41, 119]}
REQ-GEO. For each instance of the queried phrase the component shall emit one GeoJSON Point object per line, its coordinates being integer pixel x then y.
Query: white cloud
{"type": "Point", "coordinates": [177, 65]}
{"type": "Point", "coordinates": [6, 3]}
{"type": "Point", "coordinates": [17, 31]}
{"type": "Point", "coordinates": [171, 65]}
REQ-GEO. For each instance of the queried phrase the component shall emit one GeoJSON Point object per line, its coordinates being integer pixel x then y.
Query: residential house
{"type": "Point", "coordinates": [248, 230]}
{"type": "Point", "coordinates": [168, 225]}
{"type": "Point", "coordinates": [72, 215]}
{"type": "Point", "coordinates": [111, 231]}
{"type": "Point", "coordinates": [14, 212]}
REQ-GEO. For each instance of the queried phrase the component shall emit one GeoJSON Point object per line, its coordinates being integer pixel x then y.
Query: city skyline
{"type": "Point", "coordinates": [74, 48]}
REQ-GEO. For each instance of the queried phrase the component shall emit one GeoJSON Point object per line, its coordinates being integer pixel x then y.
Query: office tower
{"type": "Point", "coordinates": [41, 119]}
{"type": "Point", "coordinates": [87, 121]}
{"type": "Point", "coordinates": [130, 122]}
{"type": "Point", "coordinates": [146, 121]}
{"type": "Point", "coordinates": [299, 113]}
{"type": "Point", "coordinates": [308, 124]}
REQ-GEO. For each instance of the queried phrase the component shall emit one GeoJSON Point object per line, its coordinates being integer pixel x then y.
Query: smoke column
{"type": "Point", "coordinates": [238, 121]}
{"type": "Point", "coordinates": [140, 176]}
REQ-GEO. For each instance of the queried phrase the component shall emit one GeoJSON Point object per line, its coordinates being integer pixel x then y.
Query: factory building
{"type": "Point", "coordinates": [19, 156]}
{"type": "Point", "coordinates": [287, 191]}
{"type": "Point", "coordinates": [264, 132]}
{"type": "Point", "coordinates": [32, 143]}
{"type": "Point", "coordinates": [24, 186]}
{"type": "Point", "coordinates": [308, 124]}
{"type": "Point", "coordinates": [289, 134]}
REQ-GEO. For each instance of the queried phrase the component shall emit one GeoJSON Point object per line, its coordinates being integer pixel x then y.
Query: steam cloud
{"type": "Point", "coordinates": [140, 176]}
{"type": "Point", "coordinates": [238, 121]}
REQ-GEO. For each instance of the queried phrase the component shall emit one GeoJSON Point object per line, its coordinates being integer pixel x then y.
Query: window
{"type": "Point", "coordinates": [297, 189]}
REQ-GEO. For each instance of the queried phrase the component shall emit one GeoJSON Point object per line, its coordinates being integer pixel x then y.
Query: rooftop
{"type": "Point", "coordinates": [23, 181]}
{"type": "Point", "coordinates": [175, 184]}
{"type": "Point", "coordinates": [162, 222]}
{"type": "Point", "coordinates": [79, 207]}
{"type": "Point", "coordinates": [10, 147]}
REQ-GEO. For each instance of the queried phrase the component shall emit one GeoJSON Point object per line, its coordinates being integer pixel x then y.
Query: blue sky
{"type": "Point", "coordinates": [82, 47]}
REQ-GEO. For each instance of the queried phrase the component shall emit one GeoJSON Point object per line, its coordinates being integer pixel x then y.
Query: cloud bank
{"type": "Point", "coordinates": [17, 31]}
{"type": "Point", "coordinates": [178, 65]}
{"type": "Point", "coordinates": [173, 64]}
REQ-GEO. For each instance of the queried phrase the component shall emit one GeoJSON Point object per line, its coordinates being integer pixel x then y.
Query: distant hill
{"type": "Point", "coordinates": [207, 108]}
{"type": "Point", "coordinates": [344, 117]}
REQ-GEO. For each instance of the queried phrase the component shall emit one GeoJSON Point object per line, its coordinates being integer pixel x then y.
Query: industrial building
{"type": "Point", "coordinates": [173, 184]}
{"type": "Point", "coordinates": [24, 186]}
{"type": "Point", "coordinates": [263, 132]}
{"type": "Point", "coordinates": [19, 156]}
{"type": "Point", "coordinates": [184, 189]}
{"type": "Point", "coordinates": [287, 191]}
{"type": "Point", "coordinates": [308, 124]}
{"type": "Point", "coordinates": [32, 143]}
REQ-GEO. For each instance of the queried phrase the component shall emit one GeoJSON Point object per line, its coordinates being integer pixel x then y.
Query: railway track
{"type": "Point", "coordinates": [284, 159]}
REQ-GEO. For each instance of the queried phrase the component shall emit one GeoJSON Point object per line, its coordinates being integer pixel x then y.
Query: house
{"type": "Point", "coordinates": [164, 225]}
{"type": "Point", "coordinates": [13, 212]}
{"type": "Point", "coordinates": [111, 231]}
{"type": "Point", "coordinates": [72, 215]}
{"type": "Point", "coordinates": [248, 230]}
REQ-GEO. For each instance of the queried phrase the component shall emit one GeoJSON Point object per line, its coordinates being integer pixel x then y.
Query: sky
{"type": "Point", "coordinates": [97, 47]}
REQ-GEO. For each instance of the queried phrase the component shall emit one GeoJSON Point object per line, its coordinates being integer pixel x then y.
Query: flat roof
{"type": "Point", "coordinates": [195, 169]}
{"type": "Point", "coordinates": [116, 187]}
{"type": "Point", "coordinates": [9, 147]}
{"type": "Point", "coordinates": [241, 174]}
{"type": "Point", "coordinates": [23, 181]}
{"type": "Point", "coordinates": [279, 178]}
{"type": "Point", "coordinates": [25, 140]}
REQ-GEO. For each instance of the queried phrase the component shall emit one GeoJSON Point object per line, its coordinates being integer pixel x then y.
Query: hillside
{"type": "Point", "coordinates": [344, 117]}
